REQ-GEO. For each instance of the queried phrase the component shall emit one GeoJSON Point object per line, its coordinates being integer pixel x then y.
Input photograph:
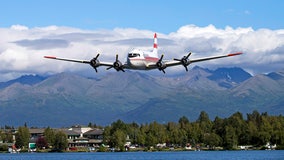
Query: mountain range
{"type": "Point", "coordinates": [66, 99]}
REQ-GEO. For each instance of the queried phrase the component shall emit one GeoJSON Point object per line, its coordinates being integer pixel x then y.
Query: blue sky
{"type": "Point", "coordinates": [31, 29]}
{"type": "Point", "coordinates": [160, 15]}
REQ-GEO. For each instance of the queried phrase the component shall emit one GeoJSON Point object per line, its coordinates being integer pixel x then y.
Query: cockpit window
{"type": "Point", "coordinates": [130, 55]}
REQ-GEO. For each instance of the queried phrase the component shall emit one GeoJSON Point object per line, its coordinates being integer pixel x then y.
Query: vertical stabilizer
{"type": "Point", "coordinates": [155, 46]}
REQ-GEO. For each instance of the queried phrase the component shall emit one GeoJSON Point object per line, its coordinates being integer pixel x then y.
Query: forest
{"type": "Point", "coordinates": [224, 133]}
{"type": "Point", "coordinates": [254, 132]}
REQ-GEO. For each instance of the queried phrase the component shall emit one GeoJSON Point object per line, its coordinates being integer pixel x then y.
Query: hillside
{"type": "Point", "coordinates": [66, 99]}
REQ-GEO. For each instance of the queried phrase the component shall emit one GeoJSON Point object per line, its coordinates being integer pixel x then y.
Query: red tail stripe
{"type": "Point", "coordinates": [155, 45]}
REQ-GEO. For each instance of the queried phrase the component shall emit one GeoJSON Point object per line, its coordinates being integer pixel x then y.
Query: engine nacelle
{"type": "Point", "coordinates": [117, 65]}
{"type": "Point", "coordinates": [95, 63]}
{"type": "Point", "coordinates": [161, 65]}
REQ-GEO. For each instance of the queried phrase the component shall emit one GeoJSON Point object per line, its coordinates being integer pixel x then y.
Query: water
{"type": "Point", "coordinates": [208, 155]}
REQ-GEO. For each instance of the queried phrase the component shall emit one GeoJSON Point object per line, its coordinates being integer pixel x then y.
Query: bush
{"type": "Point", "coordinates": [4, 148]}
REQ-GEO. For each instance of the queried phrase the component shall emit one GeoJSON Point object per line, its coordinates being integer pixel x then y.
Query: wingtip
{"type": "Point", "coordinates": [235, 54]}
{"type": "Point", "coordinates": [50, 57]}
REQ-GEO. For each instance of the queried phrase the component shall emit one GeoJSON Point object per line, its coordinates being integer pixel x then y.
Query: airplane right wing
{"type": "Point", "coordinates": [95, 63]}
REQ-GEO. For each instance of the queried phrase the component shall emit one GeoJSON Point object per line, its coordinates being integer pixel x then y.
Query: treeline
{"type": "Point", "coordinates": [256, 130]}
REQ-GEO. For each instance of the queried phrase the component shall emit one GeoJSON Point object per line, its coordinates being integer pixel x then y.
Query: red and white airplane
{"type": "Point", "coordinates": [143, 60]}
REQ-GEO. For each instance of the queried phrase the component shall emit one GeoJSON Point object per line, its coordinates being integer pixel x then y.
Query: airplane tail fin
{"type": "Point", "coordinates": [155, 46]}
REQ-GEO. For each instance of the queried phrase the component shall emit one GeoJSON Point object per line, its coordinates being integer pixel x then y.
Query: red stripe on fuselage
{"type": "Point", "coordinates": [151, 59]}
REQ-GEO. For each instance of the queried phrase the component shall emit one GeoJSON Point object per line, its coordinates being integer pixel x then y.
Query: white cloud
{"type": "Point", "coordinates": [22, 48]}
{"type": "Point", "coordinates": [19, 27]}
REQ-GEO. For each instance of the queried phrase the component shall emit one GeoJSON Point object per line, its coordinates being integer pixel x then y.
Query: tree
{"type": "Point", "coordinates": [212, 140]}
{"type": "Point", "coordinates": [230, 138]}
{"type": "Point", "coordinates": [119, 139]}
{"type": "Point", "coordinates": [22, 137]}
{"type": "Point", "coordinates": [255, 118]}
{"type": "Point", "coordinates": [41, 143]}
{"type": "Point", "coordinates": [60, 142]}
{"type": "Point", "coordinates": [183, 121]}
{"type": "Point", "coordinates": [218, 126]}
{"type": "Point", "coordinates": [107, 136]}
{"type": "Point", "coordinates": [237, 122]}
{"type": "Point", "coordinates": [158, 131]}
{"type": "Point", "coordinates": [204, 122]}
{"type": "Point", "coordinates": [6, 137]}
{"type": "Point", "coordinates": [49, 135]}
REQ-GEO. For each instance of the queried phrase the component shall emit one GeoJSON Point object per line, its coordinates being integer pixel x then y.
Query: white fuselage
{"type": "Point", "coordinates": [140, 60]}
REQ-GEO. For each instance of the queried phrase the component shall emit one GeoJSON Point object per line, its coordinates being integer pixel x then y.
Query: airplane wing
{"type": "Point", "coordinates": [185, 61]}
{"type": "Point", "coordinates": [215, 57]}
{"type": "Point", "coordinates": [93, 62]}
{"type": "Point", "coordinates": [79, 61]}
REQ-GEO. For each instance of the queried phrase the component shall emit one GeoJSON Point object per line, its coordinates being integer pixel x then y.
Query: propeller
{"type": "Point", "coordinates": [184, 61]}
{"type": "Point", "coordinates": [160, 64]}
{"type": "Point", "coordinates": [117, 65]}
{"type": "Point", "coordinates": [95, 62]}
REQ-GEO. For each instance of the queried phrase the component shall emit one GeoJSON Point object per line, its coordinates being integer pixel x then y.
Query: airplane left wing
{"type": "Point", "coordinates": [185, 61]}
{"type": "Point", "coordinates": [215, 57]}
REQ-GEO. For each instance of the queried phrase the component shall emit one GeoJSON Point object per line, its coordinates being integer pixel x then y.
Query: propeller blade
{"type": "Point", "coordinates": [188, 55]}
{"type": "Point", "coordinates": [116, 58]}
{"type": "Point", "coordinates": [109, 68]}
{"type": "Point", "coordinates": [97, 56]}
{"type": "Point", "coordinates": [162, 56]}
{"type": "Point", "coordinates": [184, 61]}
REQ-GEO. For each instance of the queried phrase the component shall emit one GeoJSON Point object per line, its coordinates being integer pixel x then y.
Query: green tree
{"type": "Point", "coordinates": [141, 135]}
{"type": "Point", "coordinates": [204, 122]}
{"type": "Point", "coordinates": [133, 132]}
{"type": "Point", "coordinates": [236, 121]}
{"type": "Point", "coordinates": [173, 132]}
{"type": "Point", "coordinates": [107, 136]}
{"type": "Point", "coordinates": [254, 118]}
{"type": "Point", "coordinates": [194, 133]}
{"type": "Point", "coordinates": [183, 122]}
{"type": "Point", "coordinates": [230, 139]}
{"type": "Point", "coordinates": [218, 126]}
{"type": "Point", "coordinates": [158, 131]}
{"type": "Point", "coordinates": [49, 135]}
{"type": "Point", "coordinates": [60, 142]}
{"type": "Point", "coordinates": [119, 124]}
{"type": "Point", "coordinates": [119, 139]}
{"type": "Point", "coordinates": [212, 140]}
{"type": "Point", "coordinates": [6, 137]}
{"type": "Point", "coordinates": [22, 137]}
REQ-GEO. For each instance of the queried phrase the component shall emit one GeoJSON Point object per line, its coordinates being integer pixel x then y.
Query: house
{"type": "Point", "coordinates": [77, 136]}
{"type": "Point", "coordinates": [95, 137]}
{"type": "Point", "coordinates": [35, 133]}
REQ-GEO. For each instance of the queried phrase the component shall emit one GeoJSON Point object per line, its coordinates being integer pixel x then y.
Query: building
{"type": "Point", "coordinates": [77, 136]}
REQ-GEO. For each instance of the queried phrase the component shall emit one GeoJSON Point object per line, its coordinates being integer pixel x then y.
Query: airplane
{"type": "Point", "coordinates": [143, 60]}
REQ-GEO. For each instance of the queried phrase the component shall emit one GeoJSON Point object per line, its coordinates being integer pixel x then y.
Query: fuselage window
{"type": "Point", "coordinates": [131, 55]}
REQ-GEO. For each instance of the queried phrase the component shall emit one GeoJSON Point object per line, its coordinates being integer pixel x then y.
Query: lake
{"type": "Point", "coordinates": [196, 155]}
